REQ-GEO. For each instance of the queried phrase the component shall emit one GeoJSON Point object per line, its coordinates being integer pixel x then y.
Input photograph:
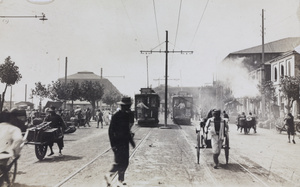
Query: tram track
{"type": "Point", "coordinates": [135, 128]}
{"type": "Point", "coordinates": [208, 169]}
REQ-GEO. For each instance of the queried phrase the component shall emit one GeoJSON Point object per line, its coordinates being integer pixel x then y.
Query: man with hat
{"type": "Point", "coordinates": [57, 122]}
{"type": "Point", "coordinates": [120, 136]}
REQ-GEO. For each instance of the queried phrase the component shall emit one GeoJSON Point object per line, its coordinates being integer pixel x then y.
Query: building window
{"type": "Point", "coordinates": [275, 74]}
{"type": "Point", "coordinates": [282, 71]}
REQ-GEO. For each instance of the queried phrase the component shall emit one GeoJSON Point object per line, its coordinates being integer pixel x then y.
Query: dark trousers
{"type": "Point", "coordinates": [121, 160]}
{"type": "Point", "coordinates": [60, 143]}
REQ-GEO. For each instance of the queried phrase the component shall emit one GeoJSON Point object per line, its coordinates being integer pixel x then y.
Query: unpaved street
{"type": "Point", "coordinates": [166, 157]}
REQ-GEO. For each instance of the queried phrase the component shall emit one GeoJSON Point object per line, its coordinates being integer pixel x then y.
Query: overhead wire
{"type": "Point", "coordinates": [199, 23]}
{"type": "Point", "coordinates": [131, 24]}
{"type": "Point", "coordinates": [178, 23]}
{"type": "Point", "coordinates": [156, 21]}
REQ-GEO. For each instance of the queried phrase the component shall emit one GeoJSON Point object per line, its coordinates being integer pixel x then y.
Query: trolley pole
{"type": "Point", "coordinates": [166, 74]}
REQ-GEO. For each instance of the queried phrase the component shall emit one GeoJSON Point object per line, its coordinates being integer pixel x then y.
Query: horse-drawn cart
{"type": "Point", "coordinates": [41, 136]}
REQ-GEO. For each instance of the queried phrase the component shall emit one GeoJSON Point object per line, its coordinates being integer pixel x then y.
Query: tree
{"type": "Point", "coordinates": [111, 97]}
{"type": "Point", "coordinates": [41, 91]}
{"type": "Point", "coordinates": [65, 92]}
{"type": "Point", "coordinates": [91, 91]}
{"type": "Point", "coordinates": [289, 86]}
{"type": "Point", "coordinates": [9, 75]}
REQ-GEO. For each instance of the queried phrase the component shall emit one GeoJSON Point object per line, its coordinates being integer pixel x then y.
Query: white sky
{"type": "Point", "coordinates": [110, 34]}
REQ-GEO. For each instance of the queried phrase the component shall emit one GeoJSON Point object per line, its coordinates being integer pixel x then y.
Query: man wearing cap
{"type": "Point", "coordinates": [120, 137]}
{"type": "Point", "coordinates": [57, 122]}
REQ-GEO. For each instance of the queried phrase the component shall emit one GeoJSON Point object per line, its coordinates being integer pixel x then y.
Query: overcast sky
{"type": "Point", "coordinates": [110, 34]}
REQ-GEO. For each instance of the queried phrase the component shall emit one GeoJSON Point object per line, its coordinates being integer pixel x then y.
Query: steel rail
{"type": "Point", "coordinates": [87, 164]}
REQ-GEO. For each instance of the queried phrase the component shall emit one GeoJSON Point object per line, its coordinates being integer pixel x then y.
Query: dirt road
{"type": "Point", "coordinates": [166, 157]}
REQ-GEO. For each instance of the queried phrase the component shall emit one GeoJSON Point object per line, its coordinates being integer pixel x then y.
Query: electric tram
{"type": "Point", "coordinates": [147, 107]}
{"type": "Point", "coordinates": [182, 108]}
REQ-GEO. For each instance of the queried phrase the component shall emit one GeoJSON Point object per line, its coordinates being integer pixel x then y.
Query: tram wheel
{"type": "Point", "coordinates": [40, 151]}
{"type": "Point", "coordinates": [198, 147]}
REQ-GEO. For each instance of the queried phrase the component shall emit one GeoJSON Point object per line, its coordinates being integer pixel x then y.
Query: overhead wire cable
{"type": "Point", "coordinates": [178, 23]}
{"type": "Point", "coordinates": [199, 23]}
{"type": "Point", "coordinates": [156, 21]}
{"type": "Point", "coordinates": [131, 24]}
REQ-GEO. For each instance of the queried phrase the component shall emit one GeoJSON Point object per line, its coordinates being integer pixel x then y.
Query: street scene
{"type": "Point", "coordinates": [165, 157]}
{"type": "Point", "coordinates": [149, 93]}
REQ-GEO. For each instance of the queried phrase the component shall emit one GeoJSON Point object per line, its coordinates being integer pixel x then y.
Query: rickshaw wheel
{"type": "Point", "coordinates": [298, 127]}
{"type": "Point", "coordinates": [226, 148]}
{"type": "Point", "coordinates": [9, 178]}
{"type": "Point", "coordinates": [198, 147]}
{"type": "Point", "coordinates": [40, 151]}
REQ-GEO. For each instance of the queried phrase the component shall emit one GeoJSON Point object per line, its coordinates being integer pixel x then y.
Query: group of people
{"type": "Point", "coordinates": [246, 122]}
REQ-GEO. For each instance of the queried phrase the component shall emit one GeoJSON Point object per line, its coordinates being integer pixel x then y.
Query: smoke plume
{"type": "Point", "coordinates": [235, 75]}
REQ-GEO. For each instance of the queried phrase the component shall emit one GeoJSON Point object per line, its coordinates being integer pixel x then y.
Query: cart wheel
{"type": "Point", "coordinates": [198, 147]}
{"type": "Point", "coordinates": [40, 151]}
{"type": "Point", "coordinates": [298, 127]}
{"type": "Point", "coordinates": [8, 174]}
{"type": "Point", "coordinates": [226, 150]}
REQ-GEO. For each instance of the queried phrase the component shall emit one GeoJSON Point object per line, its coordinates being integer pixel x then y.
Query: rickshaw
{"type": "Point", "coordinates": [182, 108]}
{"type": "Point", "coordinates": [204, 139]}
{"type": "Point", "coordinates": [147, 107]}
{"type": "Point", "coordinates": [40, 136]}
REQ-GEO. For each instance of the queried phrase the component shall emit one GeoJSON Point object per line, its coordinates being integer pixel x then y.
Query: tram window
{"type": "Point", "coordinates": [153, 102]}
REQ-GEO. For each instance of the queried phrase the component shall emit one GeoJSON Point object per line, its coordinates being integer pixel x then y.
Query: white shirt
{"type": "Point", "coordinates": [10, 139]}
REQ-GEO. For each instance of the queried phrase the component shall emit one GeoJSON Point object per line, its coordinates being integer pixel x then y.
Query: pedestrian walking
{"type": "Point", "coordinates": [88, 115]}
{"type": "Point", "coordinates": [120, 136]}
{"type": "Point", "coordinates": [217, 131]}
{"type": "Point", "coordinates": [56, 122]}
{"type": "Point", "coordinates": [99, 115]}
{"type": "Point", "coordinates": [289, 122]}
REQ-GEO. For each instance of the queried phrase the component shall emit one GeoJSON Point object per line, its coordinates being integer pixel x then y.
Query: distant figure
{"type": "Point", "coordinates": [88, 115]}
{"type": "Point", "coordinates": [241, 122]}
{"type": "Point", "coordinates": [141, 105]}
{"type": "Point", "coordinates": [120, 136]}
{"type": "Point", "coordinates": [106, 117]}
{"type": "Point", "coordinates": [99, 116]}
{"type": "Point", "coordinates": [251, 122]}
{"type": "Point", "coordinates": [289, 121]}
{"type": "Point", "coordinates": [225, 115]}
{"type": "Point", "coordinates": [217, 130]}
{"type": "Point", "coordinates": [181, 105]}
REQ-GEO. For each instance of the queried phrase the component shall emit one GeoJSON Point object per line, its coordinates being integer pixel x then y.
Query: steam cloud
{"type": "Point", "coordinates": [236, 76]}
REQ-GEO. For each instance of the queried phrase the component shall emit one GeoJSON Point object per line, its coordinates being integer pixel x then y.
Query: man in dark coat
{"type": "Point", "coordinates": [120, 136]}
{"type": "Point", "coordinates": [56, 122]}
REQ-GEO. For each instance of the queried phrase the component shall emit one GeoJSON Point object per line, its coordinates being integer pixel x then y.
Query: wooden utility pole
{"type": "Point", "coordinates": [166, 72]}
{"type": "Point", "coordinates": [263, 99]}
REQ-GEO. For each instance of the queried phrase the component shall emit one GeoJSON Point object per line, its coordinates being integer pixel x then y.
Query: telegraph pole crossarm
{"type": "Point", "coordinates": [166, 73]}
{"type": "Point", "coordinates": [42, 17]}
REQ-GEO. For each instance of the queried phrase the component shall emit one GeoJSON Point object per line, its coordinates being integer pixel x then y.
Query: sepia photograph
{"type": "Point", "coordinates": [149, 93]}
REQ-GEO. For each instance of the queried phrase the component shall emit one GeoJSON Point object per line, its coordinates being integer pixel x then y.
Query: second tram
{"type": "Point", "coordinates": [182, 108]}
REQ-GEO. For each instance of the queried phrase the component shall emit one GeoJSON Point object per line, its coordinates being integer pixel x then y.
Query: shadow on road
{"type": "Point", "coordinates": [60, 158]}
{"type": "Point", "coordinates": [24, 185]}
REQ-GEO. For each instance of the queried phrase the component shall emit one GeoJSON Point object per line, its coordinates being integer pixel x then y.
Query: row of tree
{"type": "Point", "coordinates": [91, 91]}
